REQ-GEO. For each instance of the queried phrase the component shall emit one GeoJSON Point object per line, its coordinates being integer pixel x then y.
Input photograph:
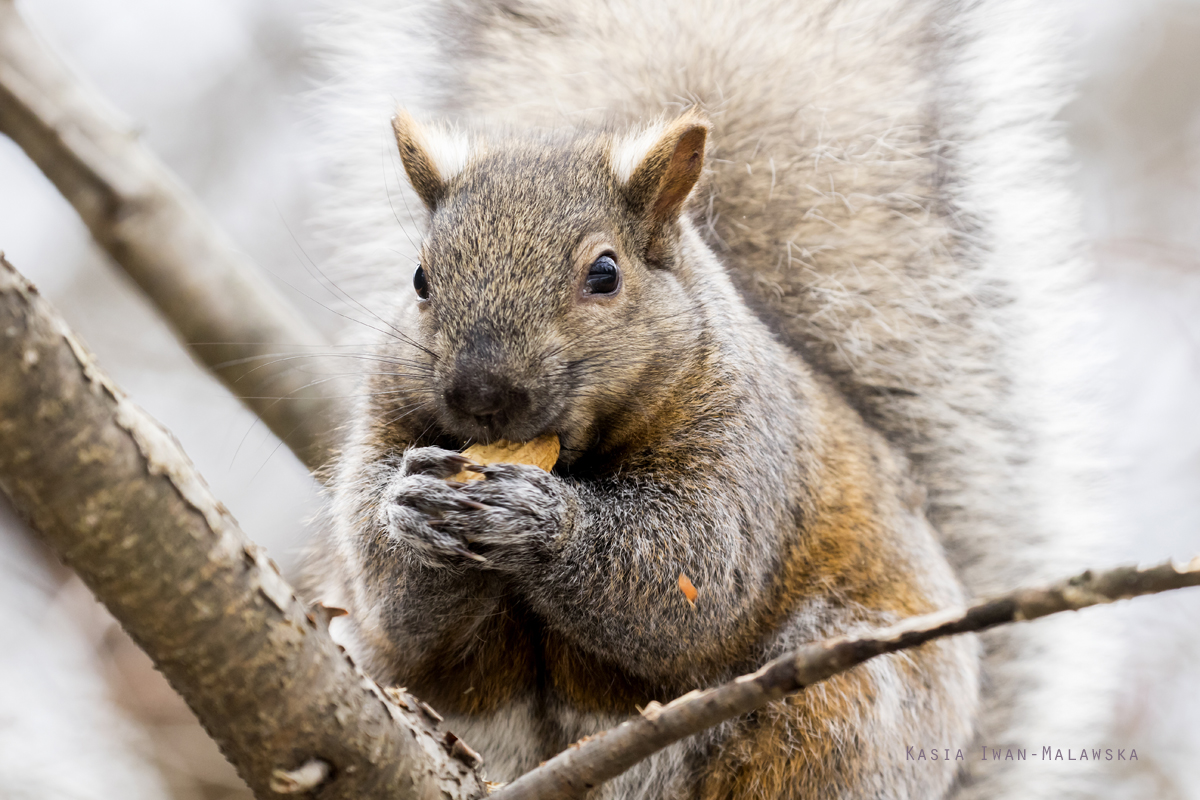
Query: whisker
{"type": "Point", "coordinates": [411, 409]}
{"type": "Point", "coordinates": [282, 357]}
{"type": "Point", "coordinates": [388, 190]}
{"type": "Point", "coordinates": [328, 282]}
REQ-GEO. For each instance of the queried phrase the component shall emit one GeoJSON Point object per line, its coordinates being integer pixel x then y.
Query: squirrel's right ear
{"type": "Point", "coordinates": [431, 156]}
{"type": "Point", "coordinates": [660, 166]}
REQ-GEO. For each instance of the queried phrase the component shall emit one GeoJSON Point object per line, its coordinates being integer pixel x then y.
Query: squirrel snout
{"type": "Point", "coordinates": [488, 399]}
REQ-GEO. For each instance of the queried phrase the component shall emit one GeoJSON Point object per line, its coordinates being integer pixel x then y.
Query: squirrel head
{"type": "Point", "coordinates": [553, 290]}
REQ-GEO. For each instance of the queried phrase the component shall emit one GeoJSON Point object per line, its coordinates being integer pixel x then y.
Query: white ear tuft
{"type": "Point", "coordinates": [628, 152]}
{"type": "Point", "coordinates": [449, 149]}
{"type": "Point", "coordinates": [432, 156]}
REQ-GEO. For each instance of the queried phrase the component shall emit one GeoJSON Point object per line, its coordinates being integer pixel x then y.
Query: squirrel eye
{"type": "Point", "coordinates": [604, 277]}
{"type": "Point", "coordinates": [420, 284]}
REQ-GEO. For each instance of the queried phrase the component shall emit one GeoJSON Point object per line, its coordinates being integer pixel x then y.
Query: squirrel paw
{"type": "Point", "coordinates": [521, 509]}
{"type": "Point", "coordinates": [417, 501]}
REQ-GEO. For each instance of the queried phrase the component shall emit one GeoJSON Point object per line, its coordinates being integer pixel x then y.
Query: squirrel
{"type": "Point", "coordinates": [563, 289]}
{"type": "Point", "coordinates": [742, 259]}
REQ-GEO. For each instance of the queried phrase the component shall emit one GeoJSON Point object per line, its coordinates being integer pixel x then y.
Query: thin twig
{"type": "Point", "coordinates": [137, 210]}
{"type": "Point", "coordinates": [602, 757]}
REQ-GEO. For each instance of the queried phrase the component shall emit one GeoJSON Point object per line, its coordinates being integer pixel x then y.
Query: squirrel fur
{"type": "Point", "coordinates": [823, 388]}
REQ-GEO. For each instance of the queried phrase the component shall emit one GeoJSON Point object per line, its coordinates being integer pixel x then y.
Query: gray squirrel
{"type": "Point", "coordinates": [795, 285]}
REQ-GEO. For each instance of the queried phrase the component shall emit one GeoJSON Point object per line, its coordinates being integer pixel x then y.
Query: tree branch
{"type": "Point", "coordinates": [599, 758]}
{"type": "Point", "coordinates": [137, 210]}
{"type": "Point", "coordinates": [114, 495]}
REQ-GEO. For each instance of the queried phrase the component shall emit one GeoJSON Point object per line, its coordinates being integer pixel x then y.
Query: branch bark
{"type": "Point", "coordinates": [114, 495]}
{"type": "Point", "coordinates": [597, 759]}
{"type": "Point", "coordinates": [159, 234]}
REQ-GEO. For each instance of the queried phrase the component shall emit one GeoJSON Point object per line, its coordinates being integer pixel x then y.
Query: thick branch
{"type": "Point", "coordinates": [114, 495]}
{"type": "Point", "coordinates": [208, 290]}
{"type": "Point", "coordinates": [603, 757]}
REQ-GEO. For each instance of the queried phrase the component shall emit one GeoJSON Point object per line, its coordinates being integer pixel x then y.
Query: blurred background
{"type": "Point", "coordinates": [217, 88]}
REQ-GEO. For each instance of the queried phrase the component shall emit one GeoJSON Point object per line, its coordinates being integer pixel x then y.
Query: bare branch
{"type": "Point", "coordinates": [137, 210]}
{"type": "Point", "coordinates": [114, 495]}
{"type": "Point", "coordinates": [602, 757]}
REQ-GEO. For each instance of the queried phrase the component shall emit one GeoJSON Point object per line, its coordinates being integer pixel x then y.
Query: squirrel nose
{"type": "Point", "coordinates": [487, 398]}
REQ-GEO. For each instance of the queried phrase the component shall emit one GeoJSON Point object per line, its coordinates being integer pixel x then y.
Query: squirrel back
{"type": "Point", "coordinates": [886, 192]}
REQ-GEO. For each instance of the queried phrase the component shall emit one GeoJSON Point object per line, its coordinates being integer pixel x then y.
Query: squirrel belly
{"type": "Point", "coordinates": [736, 257]}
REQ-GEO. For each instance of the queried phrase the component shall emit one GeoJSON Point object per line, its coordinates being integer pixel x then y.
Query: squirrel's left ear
{"type": "Point", "coordinates": [431, 156]}
{"type": "Point", "coordinates": [660, 166]}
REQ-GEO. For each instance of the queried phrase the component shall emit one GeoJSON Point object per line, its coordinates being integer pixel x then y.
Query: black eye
{"type": "Point", "coordinates": [420, 284]}
{"type": "Point", "coordinates": [604, 277]}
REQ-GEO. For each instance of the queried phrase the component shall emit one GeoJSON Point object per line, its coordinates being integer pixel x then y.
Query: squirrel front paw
{"type": "Point", "coordinates": [418, 497]}
{"type": "Point", "coordinates": [505, 521]}
{"type": "Point", "coordinates": [523, 510]}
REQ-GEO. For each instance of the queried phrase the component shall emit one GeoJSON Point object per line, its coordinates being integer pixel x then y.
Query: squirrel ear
{"type": "Point", "coordinates": [432, 157]}
{"type": "Point", "coordinates": [661, 165]}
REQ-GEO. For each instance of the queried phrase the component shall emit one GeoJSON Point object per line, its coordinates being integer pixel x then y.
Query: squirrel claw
{"type": "Point", "coordinates": [434, 462]}
{"type": "Point", "coordinates": [470, 554]}
{"type": "Point", "coordinates": [473, 505]}
{"type": "Point", "coordinates": [462, 462]}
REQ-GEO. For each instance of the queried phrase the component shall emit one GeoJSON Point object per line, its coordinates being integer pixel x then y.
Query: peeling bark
{"type": "Point", "coordinates": [114, 495]}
